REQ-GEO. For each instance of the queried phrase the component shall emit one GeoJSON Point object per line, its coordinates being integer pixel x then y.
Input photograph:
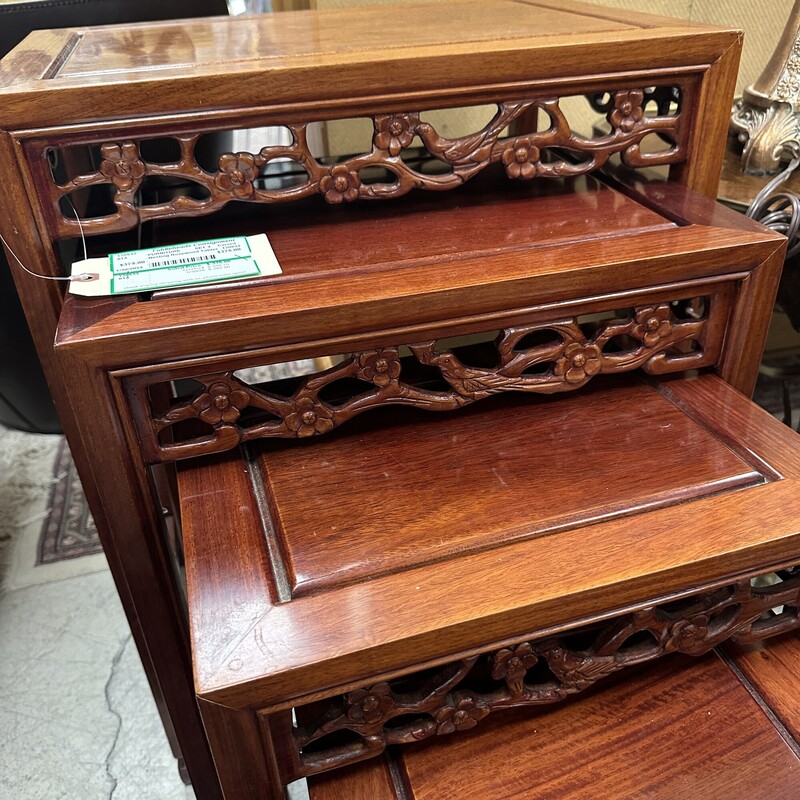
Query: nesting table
{"type": "Point", "coordinates": [532, 464]}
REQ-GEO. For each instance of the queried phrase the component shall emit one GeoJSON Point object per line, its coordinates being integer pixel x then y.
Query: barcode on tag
{"type": "Point", "coordinates": [189, 264]}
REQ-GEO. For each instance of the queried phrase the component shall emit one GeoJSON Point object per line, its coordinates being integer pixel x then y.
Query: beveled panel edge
{"type": "Point", "coordinates": [281, 574]}
{"type": "Point", "coordinates": [61, 59]}
{"type": "Point", "coordinates": [35, 56]}
{"type": "Point", "coordinates": [546, 632]}
{"type": "Point", "coordinates": [750, 431]}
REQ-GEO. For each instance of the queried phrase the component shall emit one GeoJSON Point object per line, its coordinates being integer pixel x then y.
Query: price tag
{"type": "Point", "coordinates": [190, 264]}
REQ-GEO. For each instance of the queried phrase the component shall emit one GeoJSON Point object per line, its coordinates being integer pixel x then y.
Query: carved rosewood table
{"type": "Point", "coordinates": [599, 504]}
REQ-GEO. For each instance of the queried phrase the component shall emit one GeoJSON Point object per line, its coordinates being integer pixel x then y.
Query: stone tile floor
{"type": "Point", "coordinates": [77, 720]}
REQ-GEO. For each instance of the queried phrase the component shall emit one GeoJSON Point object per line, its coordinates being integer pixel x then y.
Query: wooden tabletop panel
{"type": "Point", "coordinates": [486, 217]}
{"type": "Point", "coordinates": [113, 53]}
{"type": "Point", "coordinates": [316, 56]}
{"type": "Point", "coordinates": [251, 648]}
{"type": "Point", "coordinates": [773, 669]}
{"type": "Point", "coordinates": [435, 488]}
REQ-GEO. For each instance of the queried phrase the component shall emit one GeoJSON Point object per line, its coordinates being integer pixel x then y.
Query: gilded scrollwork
{"type": "Point", "coordinates": [539, 671]}
{"type": "Point", "coordinates": [650, 337]}
{"type": "Point", "coordinates": [240, 176]}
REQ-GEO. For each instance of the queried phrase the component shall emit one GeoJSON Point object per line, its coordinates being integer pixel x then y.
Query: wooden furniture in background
{"type": "Point", "coordinates": [679, 283]}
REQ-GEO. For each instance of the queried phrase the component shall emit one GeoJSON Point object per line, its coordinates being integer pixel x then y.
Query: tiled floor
{"type": "Point", "coordinates": [76, 715]}
{"type": "Point", "coordinates": [77, 721]}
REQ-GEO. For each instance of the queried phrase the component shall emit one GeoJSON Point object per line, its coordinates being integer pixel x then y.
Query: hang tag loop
{"type": "Point", "coordinates": [82, 276]}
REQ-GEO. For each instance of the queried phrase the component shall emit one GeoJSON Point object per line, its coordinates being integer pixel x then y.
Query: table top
{"type": "Point", "coordinates": [348, 267]}
{"type": "Point", "coordinates": [681, 726]}
{"type": "Point", "coordinates": [268, 58]}
{"type": "Point", "coordinates": [253, 645]}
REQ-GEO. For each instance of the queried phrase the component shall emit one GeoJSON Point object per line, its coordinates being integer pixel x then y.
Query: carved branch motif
{"type": "Point", "coordinates": [650, 337]}
{"type": "Point", "coordinates": [666, 100]}
{"type": "Point", "coordinates": [536, 672]}
{"type": "Point", "coordinates": [239, 175]}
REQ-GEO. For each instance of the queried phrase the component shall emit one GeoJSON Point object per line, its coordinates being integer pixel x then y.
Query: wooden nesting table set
{"type": "Point", "coordinates": [325, 579]}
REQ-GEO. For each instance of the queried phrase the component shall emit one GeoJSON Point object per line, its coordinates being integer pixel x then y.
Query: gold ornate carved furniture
{"type": "Point", "coordinates": [766, 117]}
{"type": "Point", "coordinates": [362, 572]}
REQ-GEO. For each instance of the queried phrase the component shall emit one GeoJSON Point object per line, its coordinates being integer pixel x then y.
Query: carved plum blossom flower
{"type": "Point", "coordinates": [628, 110]}
{"type": "Point", "coordinates": [371, 705]}
{"type": "Point", "coordinates": [380, 367]}
{"type": "Point", "coordinates": [222, 403]}
{"type": "Point", "coordinates": [393, 132]}
{"type": "Point", "coordinates": [341, 185]}
{"type": "Point", "coordinates": [463, 714]}
{"type": "Point", "coordinates": [511, 664]}
{"type": "Point", "coordinates": [521, 158]}
{"type": "Point", "coordinates": [309, 417]}
{"type": "Point", "coordinates": [688, 636]}
{"type": "Point", "coordinates": [122, 164]}
{"type": "Point", "coordinates": [578, 362]}
{"type": "Point", "coordinates": [237, 171]}
{"type": "Point", "coordinates": [652, 324]}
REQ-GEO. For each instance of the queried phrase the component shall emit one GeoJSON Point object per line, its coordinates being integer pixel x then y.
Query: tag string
{"type": "Point", "coordinates": [83, 276]}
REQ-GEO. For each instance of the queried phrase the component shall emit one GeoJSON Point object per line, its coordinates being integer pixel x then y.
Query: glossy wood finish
{"type": "Point", "coordinates": [773, 670]}
{"type": "Point", "coordinates": [374, 780]}
{"type": "Point", "coordinates": [675, 729]}
{"type": "Point", "coordinates": [251, 650]}
{"type": "Point", "coordinates": [443, 488]}
{"type": "Point", "coordinates": [411, 289]}
{"type": "Point", "coordinates": [154, 68]}
{"type": "Point", "coordinates": [118, 84]}
{"type": "Point", "coordinates": [487, 217]}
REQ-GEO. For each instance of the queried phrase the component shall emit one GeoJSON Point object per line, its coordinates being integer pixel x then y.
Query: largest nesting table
{"type": "Point", "coordinates": [622, 495]}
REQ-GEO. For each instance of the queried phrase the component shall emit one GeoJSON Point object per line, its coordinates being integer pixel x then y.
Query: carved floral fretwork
{"type": "Point", "coordinates": [459, 695]}
{"type": "Point", "coordinates": [564, 357]}
{"type": "Point", "coordinates": [538, 153]}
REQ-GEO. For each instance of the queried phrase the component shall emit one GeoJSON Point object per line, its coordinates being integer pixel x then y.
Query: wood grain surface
{"type": "Point", "coordinates": [120, 83]}
{"type": "Point", "coordinates": [440, 487]}
{"type": "Point", "coordinates": [322, 56]}
{"type": "Point", "coordinates": [676, 729]}
{"type": "Point", "coordinates": [402, 282]}
{"type": "Point", "coordinates": [773, 669]}
{"type": "Point", "coordinates": [489, 215]}
{"type": "Point", "coordinates": [249, 649]}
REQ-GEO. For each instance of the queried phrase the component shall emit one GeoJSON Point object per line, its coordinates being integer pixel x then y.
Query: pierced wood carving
{"type": "Point", "coordinates": [457, 696]}
{"type": "Point", "coordinates": [665, 100]}
{"type": "Point", "coordinates": [539, 153]}
{"type": "Point", "coordinates": [561, 356]}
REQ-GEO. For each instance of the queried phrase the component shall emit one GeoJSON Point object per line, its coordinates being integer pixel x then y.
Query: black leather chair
{"type": "Point", "coordinates": [24, 398]}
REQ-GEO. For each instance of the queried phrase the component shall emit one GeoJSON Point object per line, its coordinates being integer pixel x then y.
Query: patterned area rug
{"type": "Point", "coordinates": [69, 530]}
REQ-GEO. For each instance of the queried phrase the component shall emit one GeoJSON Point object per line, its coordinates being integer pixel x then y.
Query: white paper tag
{"type": "Point", "coordinates": [189, 264]}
